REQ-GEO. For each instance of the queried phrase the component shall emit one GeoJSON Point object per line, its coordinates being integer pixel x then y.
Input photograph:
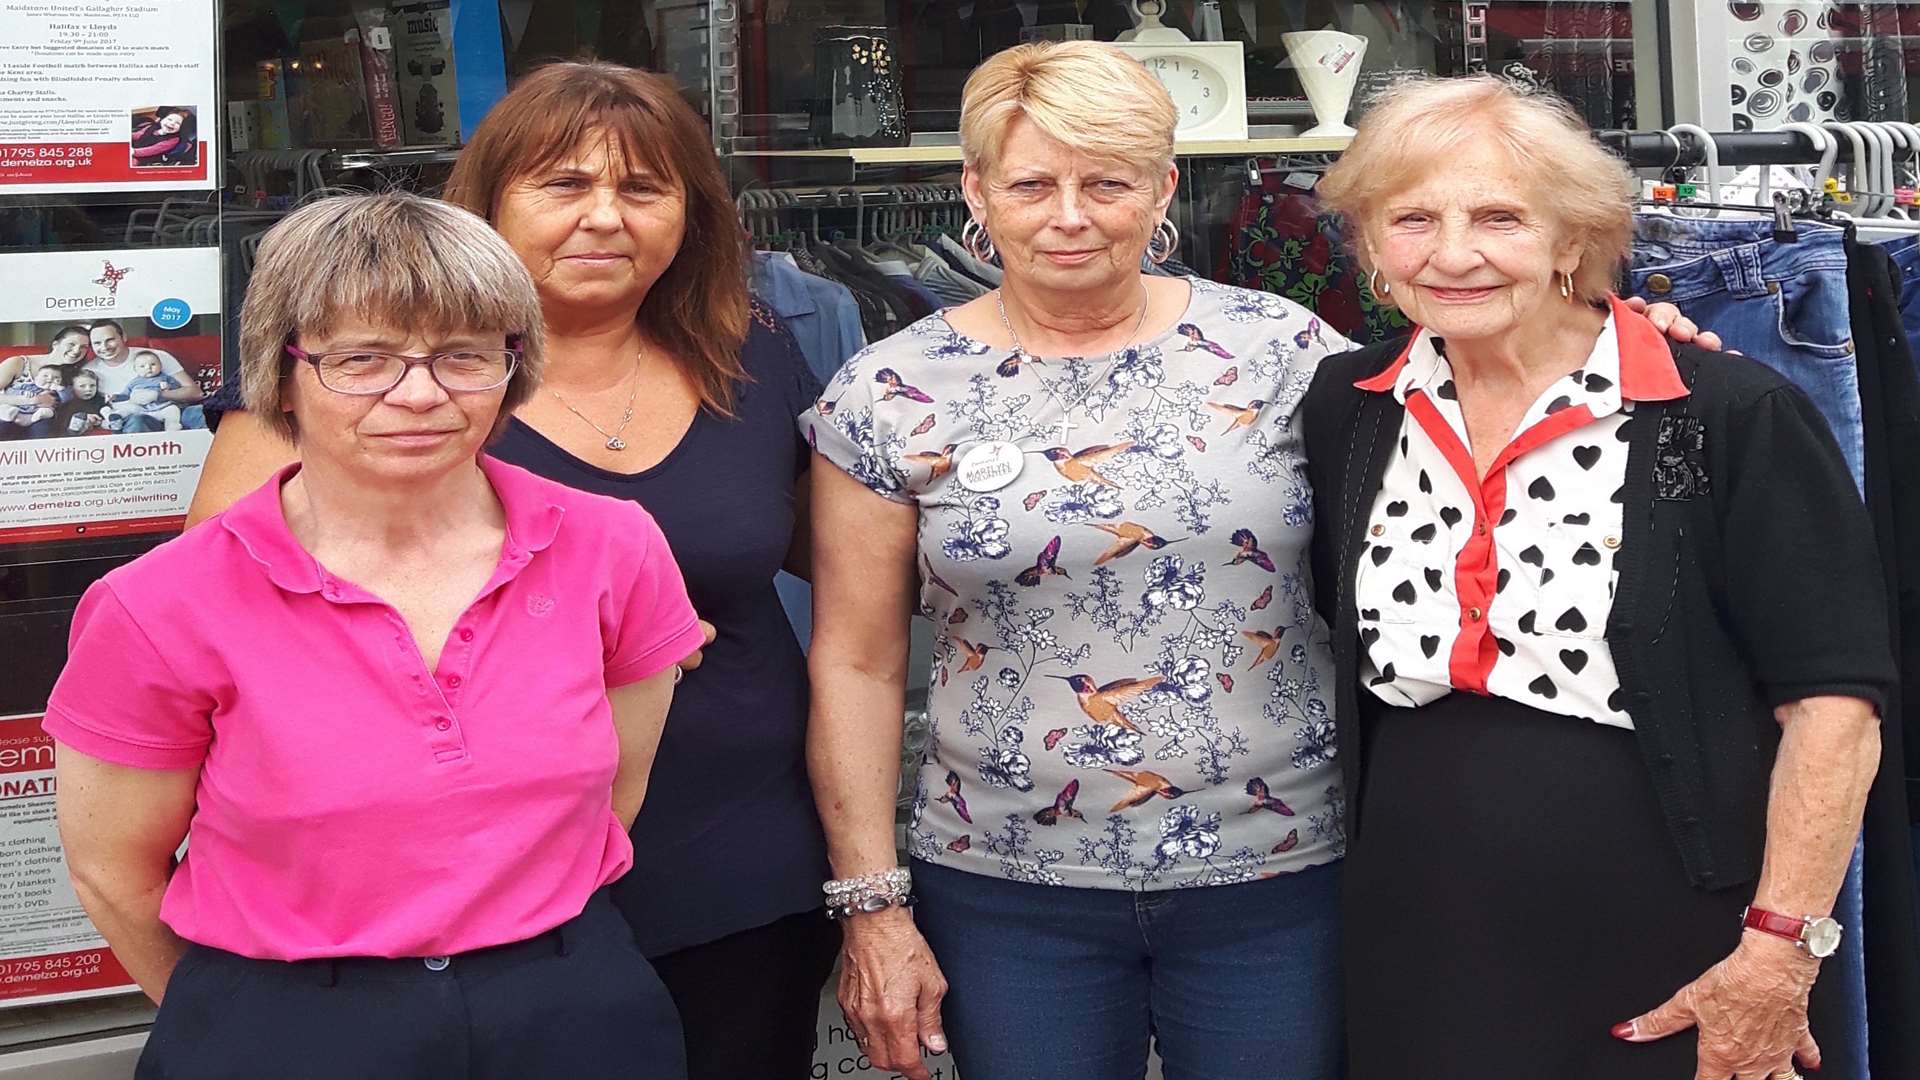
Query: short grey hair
{"type": "Point", "coordinates": [391, 259]}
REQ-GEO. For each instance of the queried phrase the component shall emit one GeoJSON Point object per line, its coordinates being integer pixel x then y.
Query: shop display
{"type": "Point", "coordinates": [859, 102]}
{"type": "Point", "coordinates": [1328, 63]}
{"type": "Point", "coordinates": [108, 97]}
{"type": "Point", "coordinates": [424, 69]}
{"type": "Point", "coordinates": [1206, 79]}
{"type": "Point", "coordinates": [91, 443]}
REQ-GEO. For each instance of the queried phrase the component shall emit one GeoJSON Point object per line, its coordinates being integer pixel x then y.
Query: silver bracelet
{"type": "Point", "coordinates": [890, 884]}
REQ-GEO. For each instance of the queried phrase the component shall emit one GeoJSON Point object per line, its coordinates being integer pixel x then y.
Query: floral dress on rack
{"type": "Point", "coordinates": [1131, 688]}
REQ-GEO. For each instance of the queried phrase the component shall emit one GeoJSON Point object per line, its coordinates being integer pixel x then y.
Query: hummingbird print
{"type": "Point", "coordinates": [1239, 415]}
{"type": "Point", "coordinates": [936, 578]}
{"type": "Point", "coordinates": [1198, 340]}
{"type": "Point", "coordinates": [1047, 565]}
{"type": "Point", "coordinates": [1103, 702]}
{"type": "Point", "coordinates": [890, 379]}
{"type": "Point", "coordinates": [1080, 466]}
{"type": "Point", "coordinates": [1263, 799]}
{"type": "Point", "coordinates": [975, 654]}
{"type": "Point", "coordinates": [954, 799]}
{"type": "Point", "coordinates": [1010, 367]}
{"type": "Point", "coordinates": [1145, 786]}
{"type": "Point", "coordinates": [1310, 334]}
{"type": "Point", "coordinates": [1269, 644]}
{"type": "Point", "coordinates": [937, 464]}
{"type": "Point", "coordinates": [1249, 550]}
{"type": "Point", "coordinates": [825, 407]}
{"type": "Point", "coordinates": [1128, 537]}
{"type": "Point", "coordinates": [1062, 806]}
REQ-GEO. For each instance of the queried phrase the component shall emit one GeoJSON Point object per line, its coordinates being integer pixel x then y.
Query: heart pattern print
{"type": "Point", "coordinates": [1537, 634]}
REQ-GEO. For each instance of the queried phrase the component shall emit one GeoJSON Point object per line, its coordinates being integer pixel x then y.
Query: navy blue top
{"type": "Point", "coordinates": [728, 839]}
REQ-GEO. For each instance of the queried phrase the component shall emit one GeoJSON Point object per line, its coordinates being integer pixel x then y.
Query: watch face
{"type": "Point", "coordinates": [1822, 937]}
{"type": "Point", "coordinates": [1198, 90]}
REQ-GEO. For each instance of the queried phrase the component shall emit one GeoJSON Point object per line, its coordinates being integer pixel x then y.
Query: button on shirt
{"type": "Point", "coordinates": [351, 802]}
{"type": "Point", "coordinates": [1503, 585]}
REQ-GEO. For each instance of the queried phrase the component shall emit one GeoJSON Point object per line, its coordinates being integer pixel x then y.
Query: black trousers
{"type": "Point", "coordinates": [578, 1002]}
{"type": "Point", "coordinates": [749, 1001]}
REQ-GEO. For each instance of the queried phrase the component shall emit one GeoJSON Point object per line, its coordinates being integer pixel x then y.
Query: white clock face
{"type": "Point", "coordinates": [1199, 92]}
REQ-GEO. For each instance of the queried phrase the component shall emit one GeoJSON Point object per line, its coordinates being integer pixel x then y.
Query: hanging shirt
{"type": "Point", "coordinates": [1131, 686]}
{"type": "Point", "coordinates": [1503, 584]}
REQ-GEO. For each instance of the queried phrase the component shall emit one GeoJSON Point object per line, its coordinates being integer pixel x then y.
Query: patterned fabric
{"type": "Point", "coordinates": [1131, 688]}
{"type": "Point", "coordinates": [1284, 244]}
{"type": "Point", "coordinates": [1550, 504]}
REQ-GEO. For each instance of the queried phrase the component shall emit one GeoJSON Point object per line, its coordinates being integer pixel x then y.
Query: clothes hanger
{"type": "Point", "coordinates": [1713, 161]}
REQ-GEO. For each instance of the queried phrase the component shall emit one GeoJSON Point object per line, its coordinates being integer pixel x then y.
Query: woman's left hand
{"type": "Point", "coordinates": [1667, 319]}
{"type": "Point", "coordinates": [1751, 1009]}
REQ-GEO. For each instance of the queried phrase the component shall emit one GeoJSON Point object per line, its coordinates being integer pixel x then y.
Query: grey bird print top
{"type": "Point", "coordinates": [1131, 688]}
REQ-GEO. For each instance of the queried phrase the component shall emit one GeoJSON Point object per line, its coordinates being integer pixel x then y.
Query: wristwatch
{"type": "Point", "coordinates": [1819, 937]}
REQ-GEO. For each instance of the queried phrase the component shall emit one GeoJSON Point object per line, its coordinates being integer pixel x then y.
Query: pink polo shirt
{"type": "Point", "coordinates": [351, 802]}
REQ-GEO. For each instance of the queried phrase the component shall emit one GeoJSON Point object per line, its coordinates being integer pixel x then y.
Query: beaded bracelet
{"type": "Point", "coordinates": [894, 882]}
{"type": "Point", "coordinates": [868, 905]}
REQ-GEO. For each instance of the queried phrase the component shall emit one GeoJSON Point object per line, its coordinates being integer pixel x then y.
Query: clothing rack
{"type": "Point", "coordinates": [1662, 150]}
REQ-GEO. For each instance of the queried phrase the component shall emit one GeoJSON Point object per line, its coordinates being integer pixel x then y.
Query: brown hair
{"type": "Point", "coordinates": [698, 308]}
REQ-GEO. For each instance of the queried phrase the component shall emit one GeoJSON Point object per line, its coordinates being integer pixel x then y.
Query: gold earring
{"type": "Point", "coordinates": [1566, 286]}
{"type": "Point", "coordinates": [1378, 285]}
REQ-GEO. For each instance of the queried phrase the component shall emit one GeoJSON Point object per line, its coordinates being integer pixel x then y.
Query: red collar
{"type": "Point", "coordinates": [1647, 371]}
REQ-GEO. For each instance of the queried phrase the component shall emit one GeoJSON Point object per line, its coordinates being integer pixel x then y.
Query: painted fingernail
{"type": "Point", "coordinates": [1623, 1030]}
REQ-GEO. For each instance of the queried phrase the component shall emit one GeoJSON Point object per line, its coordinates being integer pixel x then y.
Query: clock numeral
{"type": "Point", "coordinates": [1196, 74]}
{"type": "Point", "coordinates": [1195, 110]}
{"type": "Point", "coordinates": [1206, 91]}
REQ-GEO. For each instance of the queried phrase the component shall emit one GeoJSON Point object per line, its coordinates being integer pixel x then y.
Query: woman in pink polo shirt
{"type": "Point", "coordinates": [404, 698]}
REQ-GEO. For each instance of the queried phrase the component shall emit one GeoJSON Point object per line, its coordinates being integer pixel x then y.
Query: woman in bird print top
{"type": "Point", "coordinates": [1130, 795]}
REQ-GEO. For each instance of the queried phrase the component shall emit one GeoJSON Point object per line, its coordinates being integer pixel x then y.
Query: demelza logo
{"type": "Point", "coordinates": [109, 279]}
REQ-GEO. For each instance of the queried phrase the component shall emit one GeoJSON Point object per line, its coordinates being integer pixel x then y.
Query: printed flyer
{"type": "Point", "coordinates": [105, 359]}
{"type": "Point", "coordinates": [107, 96]}
{"type": "Point", "coordinates": [49, 951]}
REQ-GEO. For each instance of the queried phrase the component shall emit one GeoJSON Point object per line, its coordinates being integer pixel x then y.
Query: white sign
{"type": "Point", "coordinates": [105, 358]}
{"type": "Point", "coordinates": [106, 95]}
{"type": "Point", "coordinates": [49, 950]}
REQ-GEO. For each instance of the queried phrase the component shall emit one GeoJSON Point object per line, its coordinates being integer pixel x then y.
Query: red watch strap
{"type": "Point", "coordinates": [1767, 922]}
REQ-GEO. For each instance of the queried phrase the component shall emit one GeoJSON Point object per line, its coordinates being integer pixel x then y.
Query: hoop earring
{"type": "Point", "coordinates": [1566, 286]}
{"type": "Point", "coordinates": [1378, 285]}
{"type": "Point", "coordinates": [1164, 242]}
{"type": "Point", "coordinates": [973, 237]}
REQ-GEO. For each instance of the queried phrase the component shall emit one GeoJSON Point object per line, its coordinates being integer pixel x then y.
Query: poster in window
{"type": "Point", "coordinates": [107, 97]}
{"type": "Point", "coordinates": [106, 359]}
{"type": "Point", "coordinates": [49, 950]}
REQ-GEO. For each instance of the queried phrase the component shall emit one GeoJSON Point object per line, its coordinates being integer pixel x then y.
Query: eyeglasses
{"type": "Point", "coordinates": [358, 371]}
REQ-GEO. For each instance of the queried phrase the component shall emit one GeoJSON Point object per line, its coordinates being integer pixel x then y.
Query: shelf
{"type": "Point", "coordinates": [939, 155]}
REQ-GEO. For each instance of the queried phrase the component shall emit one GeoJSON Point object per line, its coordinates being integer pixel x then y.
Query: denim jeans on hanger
{"type": "Point", "coordinates": [1785, 305]}
{"type": "Point", "coordinates": [1905, 251]}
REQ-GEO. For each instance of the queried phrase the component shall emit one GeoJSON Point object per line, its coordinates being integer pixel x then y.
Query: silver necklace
{"type": "Point", "coordinates": [1020, 351]}
{"type": "Point", "coordinates": [614, 441]}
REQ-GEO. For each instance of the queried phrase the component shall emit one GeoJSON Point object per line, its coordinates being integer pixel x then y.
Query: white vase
{"type": "Point", "coordinates": [1328, 63]}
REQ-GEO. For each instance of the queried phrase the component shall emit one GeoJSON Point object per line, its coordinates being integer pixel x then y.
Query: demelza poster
{"type": "Point", "coordinates": [106, 358]}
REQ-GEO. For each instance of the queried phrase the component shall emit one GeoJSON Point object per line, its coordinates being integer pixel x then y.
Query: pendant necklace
{"type": "Point", "coordinates": [1019, 350]}
{"type": "Point", "coordinates": [614, 441]}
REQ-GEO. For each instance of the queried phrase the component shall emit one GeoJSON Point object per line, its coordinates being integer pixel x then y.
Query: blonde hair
{"type": "Point", "coordinates": [1412, 128]}
{"type": "Point", "coordinates": [394, 260]}
{"type": "Point", "coordinates": [1086, 94]}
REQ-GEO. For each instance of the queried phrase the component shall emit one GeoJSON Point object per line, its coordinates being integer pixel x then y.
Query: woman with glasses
{"type": "Point", "coordinates": [668, 385]}
{"type": "Point", "coordinates": [405, 697]}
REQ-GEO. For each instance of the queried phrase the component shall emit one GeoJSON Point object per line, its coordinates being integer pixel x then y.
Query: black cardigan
{"type": "Point", "coordinates": [1748, 579]}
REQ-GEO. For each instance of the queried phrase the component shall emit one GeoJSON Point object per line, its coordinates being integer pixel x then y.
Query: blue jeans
{"type": "Point", "coordinates": [1906, 256]}
{"type": "Point", "coordinates": [1230, 981]}
{"type": "Point", "coordinates": [1785, 305]}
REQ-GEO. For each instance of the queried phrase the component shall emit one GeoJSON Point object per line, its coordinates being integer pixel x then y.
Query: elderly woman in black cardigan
{"type": "Point", "coordinates": [1610, 645]}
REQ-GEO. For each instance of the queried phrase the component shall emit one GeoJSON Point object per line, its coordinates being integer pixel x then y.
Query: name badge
{"type": "Point", "coordinates": [991, 466]}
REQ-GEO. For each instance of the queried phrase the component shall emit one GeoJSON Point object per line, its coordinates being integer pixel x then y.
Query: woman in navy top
{"type": "Point", "coordinates": [665, 384]}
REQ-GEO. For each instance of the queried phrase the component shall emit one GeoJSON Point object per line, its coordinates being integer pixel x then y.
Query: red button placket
{"type": "Point", "coordinates": [1477, 568]}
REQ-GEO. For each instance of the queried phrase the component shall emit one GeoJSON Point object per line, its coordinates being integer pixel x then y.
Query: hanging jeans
{"type": "Point", "coordinates": [1905, 251]}
{"type": "Point", "coordinates": [1785, 305]}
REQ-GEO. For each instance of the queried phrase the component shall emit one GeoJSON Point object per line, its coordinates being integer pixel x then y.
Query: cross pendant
{"type": "Point", "coordinates": [1066, 428]}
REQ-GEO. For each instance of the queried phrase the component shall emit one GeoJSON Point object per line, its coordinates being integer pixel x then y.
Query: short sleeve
{"type": "Point", "coordinates": [860, 421]}
{"type": "Point", "coordinates": [778, 360]}
{"type": "Point", "coordinates": [118, 699]}
{"type": "Point", "coordinates": [1804, 590]}
{"type": "Point", "coordinates": [647, 622]}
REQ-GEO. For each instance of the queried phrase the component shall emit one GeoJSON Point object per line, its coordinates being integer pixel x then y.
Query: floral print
{"type": "Point", "coordinates": [1125, 646]}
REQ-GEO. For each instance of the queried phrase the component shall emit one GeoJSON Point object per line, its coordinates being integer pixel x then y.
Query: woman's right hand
{"type": "Point", "coordinates": [891, 989]}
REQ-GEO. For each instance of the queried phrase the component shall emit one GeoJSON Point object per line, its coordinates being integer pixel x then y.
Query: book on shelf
{"type": "Point", "coordinates": [429, 85]}
{"type": "Point", "coordinates": [330, 108]}
{"type": "Point", "coordinates": [375, 38]}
